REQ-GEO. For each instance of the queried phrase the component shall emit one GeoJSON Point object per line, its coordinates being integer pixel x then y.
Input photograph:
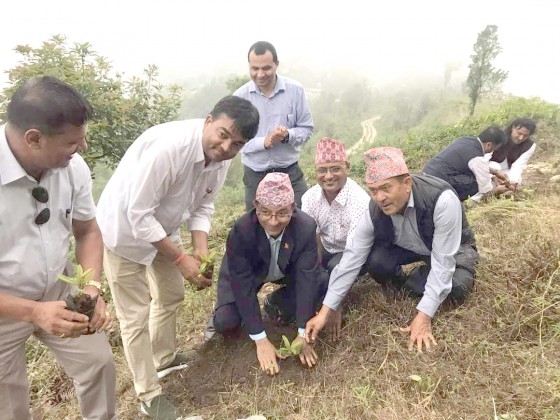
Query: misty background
{"type": "Point", "coordinates": [400, 45]}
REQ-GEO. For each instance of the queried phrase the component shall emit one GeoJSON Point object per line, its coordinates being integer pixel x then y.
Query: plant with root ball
{"type": "Point", "coordinates": [290, 349]}
{"type": "Point", "coordinates": [78, 301]}
{"type": "Point", "coordinates": [207, 263]}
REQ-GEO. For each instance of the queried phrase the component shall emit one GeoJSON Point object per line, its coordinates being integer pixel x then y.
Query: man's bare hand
{"type": "Point", "coordinates": [54, 318]}
{"type": "Point", "coordinates": [101, 317]}
{"type": "Point", "coordinates": [307, 356]}
{"type": "Point", "coordinates": [314, 326]}
{"type": "Point", "coordinates": [267, 356]}
{"type": "Point", "coordinates": [189, 268]}
{"type": "Point", "coordinates": [334, 324]}
{"type": "Point", "coordinates": [420, 331]}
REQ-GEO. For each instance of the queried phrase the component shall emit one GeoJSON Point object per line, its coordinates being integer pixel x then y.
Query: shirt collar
{"type": "Point", "coordinates": [10, 169]}
{"type": "Point", "coordinates": [274, 240]}
{"type": "Point", "coordinates": [481, 145]}
{"type": "Point", "coordinates": [278, 87]}
{"type": "Point", "coordinates": [342, 196]}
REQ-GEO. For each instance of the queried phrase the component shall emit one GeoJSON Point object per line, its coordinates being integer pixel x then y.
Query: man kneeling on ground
{"type": "Point", "coordinates": [274, 242]}
{"type": "Point", "coordinates": [411, 218]}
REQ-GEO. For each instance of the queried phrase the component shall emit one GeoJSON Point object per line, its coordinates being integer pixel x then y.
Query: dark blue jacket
{"type": "Point", "coordinates": [247, 259]}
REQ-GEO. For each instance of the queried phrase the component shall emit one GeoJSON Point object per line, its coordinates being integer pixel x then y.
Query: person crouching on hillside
{"type": "Point", "coordinates": [274, 242]}
{"type": "Point", "coordinates": [463, 164]}
{"type": "Point", "coordinates": [336, 204]}
{"type": "Point", "coordinates": [411, 218]}
{"type": "Point", "coordinates": [511, 158]}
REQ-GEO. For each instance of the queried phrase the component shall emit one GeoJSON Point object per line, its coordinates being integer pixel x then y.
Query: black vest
{"type": "Point", "coordinates": [452, 165]}
{"type": "Point", "coordinates": [511, 151]}
{"type": "Point", "coordinates": [426, 190]}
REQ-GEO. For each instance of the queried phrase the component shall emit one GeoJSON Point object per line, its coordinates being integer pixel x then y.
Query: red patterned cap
{"type": "Point", "coordinates": [275, 190]}
{"type": "Point", "coordinates": [384, 163]}
{"type": "Point", "coordinates": [330, 150]}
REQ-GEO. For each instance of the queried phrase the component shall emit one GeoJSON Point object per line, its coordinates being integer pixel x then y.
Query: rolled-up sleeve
{"type": "Point", "coordinates": [445, 244]}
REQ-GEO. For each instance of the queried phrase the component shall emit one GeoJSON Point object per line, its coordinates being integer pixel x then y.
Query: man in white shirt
{"type": "Point", "coordinates": [45, 198]}
{"type": "Point", "coordinates": [169, 176]}
{"type": "Point", "coordinates": [411, 218]}
{"type": "Point", "coordinates": [464, 166]}
{"type": "Point", "coordinates": [336, 204]}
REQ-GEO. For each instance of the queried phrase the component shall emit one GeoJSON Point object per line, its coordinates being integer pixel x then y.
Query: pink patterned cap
{"type": "Point", "coordinates": [275, 190]}
{"type": "Point", "coordinates": [330, 150]}
{"type": "Point", "coordinates": [383, 163]}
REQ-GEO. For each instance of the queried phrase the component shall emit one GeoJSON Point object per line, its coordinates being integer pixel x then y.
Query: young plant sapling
{"type": "Point", "coordinates": [207, 263]}
{"type": "Point", "coordinates": [290, 349]}
{"type": "Point", "coordinates": [78, 301]}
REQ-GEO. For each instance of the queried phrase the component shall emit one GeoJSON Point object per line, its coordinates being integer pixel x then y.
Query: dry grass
{"type": "Point", "coordinates": [496, 355]}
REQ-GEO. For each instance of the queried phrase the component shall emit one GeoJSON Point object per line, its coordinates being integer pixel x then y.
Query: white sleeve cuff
{"type": "Point", "coordinates": [258, 336]}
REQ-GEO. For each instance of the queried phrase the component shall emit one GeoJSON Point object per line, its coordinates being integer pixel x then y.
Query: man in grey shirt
{"type": "Point", "coordinates": [285, 123]}
{"type": "Point", "coordinates": [411, 218]}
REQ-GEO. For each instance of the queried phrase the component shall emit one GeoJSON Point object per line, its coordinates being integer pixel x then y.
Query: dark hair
{"type": "Point", "coordinates": [241, 111]}
{"type": "Point", "coordinates": [493, 134]}
{"type": "Point", "coordinates": [47, 103]}
{"type": "Point", "coordinates": [527, 123]}
{"type": "Point", "coordinates": [261, 47]}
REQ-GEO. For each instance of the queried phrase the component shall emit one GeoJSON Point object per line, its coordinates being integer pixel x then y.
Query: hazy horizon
{"type": "Point", "coordinates": [404, 41]}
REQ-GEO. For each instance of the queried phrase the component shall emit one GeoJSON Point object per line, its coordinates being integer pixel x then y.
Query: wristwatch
{"type": "Point", "coordinates": [286, 139]}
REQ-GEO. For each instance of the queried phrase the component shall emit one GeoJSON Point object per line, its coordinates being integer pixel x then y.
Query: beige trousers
{"type": "Point", "coordinates": [146, 301]}
{"type": "Point", "coordinates": [88, 360]}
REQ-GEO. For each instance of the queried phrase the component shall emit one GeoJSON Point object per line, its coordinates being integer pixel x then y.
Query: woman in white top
{"type": "Point", "coordinates": [511, 158]}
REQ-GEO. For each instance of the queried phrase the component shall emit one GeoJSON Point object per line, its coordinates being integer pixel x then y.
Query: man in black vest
{"type": "Point", "coordinates": [411, 218]}
{"type": "Point", "coordinates": [463, 166]}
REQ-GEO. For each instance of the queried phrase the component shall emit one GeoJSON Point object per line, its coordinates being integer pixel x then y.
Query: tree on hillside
{"type": "Point", "coordinates": [235, 82]}
{"type": "Point", "coordinates": [483, 77]}
{"type": "Point", "coordinates": [123, 109]}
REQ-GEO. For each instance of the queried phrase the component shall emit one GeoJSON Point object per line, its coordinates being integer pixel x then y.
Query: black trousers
{"type": "Point", "coordinates": [227, 317]}
{"type": "Point", "coordinates": [384, 264]}
{"type": "Point", "coordinates": [251, 181]}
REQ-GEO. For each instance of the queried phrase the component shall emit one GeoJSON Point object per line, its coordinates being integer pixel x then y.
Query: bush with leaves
{"type": "Point", "coordinates": [123, 109]}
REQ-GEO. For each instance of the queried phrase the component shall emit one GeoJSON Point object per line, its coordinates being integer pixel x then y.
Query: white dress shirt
{"type": "Point", "coordinates": [337, 220]}
{"type": "Point", "coordinates": [160, 183]}
{"type": "Point", "coordinates": [32, 256]}
{"type": "Point", "coordinates": [515, 172]}
{"type": "Point", "coordinates": [445, 244]}
{"type": "Point", "coordinates": [480, 167]}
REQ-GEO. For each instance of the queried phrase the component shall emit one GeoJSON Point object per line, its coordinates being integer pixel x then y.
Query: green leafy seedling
{"type": "Point", "coordinates": [207, 262]}
{"type": "Point", "coordinates": [77, 301]}
{"type": "Point", "coordinates": [81, 279]}
{"type": "Point", "coordinates": [290, 349]}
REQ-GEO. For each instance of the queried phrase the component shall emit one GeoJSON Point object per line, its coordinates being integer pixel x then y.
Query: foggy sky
{"type": "Point", "coordinates": [383, 42]}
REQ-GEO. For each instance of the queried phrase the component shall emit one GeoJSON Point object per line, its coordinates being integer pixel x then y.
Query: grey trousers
{"type": "Point", "coordinates": [88, 360]}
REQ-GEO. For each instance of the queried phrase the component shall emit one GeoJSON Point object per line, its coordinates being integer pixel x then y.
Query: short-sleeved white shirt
{"type": "Point", "coordinates": [32, 256]}
{"type": "Point", "coordinates": [336, 221]}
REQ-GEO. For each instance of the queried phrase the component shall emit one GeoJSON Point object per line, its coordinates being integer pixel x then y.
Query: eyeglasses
{"type": "Point", "coordinates": [42, 196]}
{"type": "Point", "coordinates": [281, 217]}
{"type": "Point", "coordinates": [334, 170]}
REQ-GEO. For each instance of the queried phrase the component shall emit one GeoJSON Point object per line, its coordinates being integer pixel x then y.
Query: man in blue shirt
{"type": "Point", "coordinates": [285, 123]}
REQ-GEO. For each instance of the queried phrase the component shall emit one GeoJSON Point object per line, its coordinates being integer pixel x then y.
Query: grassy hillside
{"type": "Point", "coordinates": [497, 355]}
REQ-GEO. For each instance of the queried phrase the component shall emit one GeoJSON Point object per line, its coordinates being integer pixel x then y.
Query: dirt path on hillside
{"type": "Point", "coordinates": [369, 133]}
